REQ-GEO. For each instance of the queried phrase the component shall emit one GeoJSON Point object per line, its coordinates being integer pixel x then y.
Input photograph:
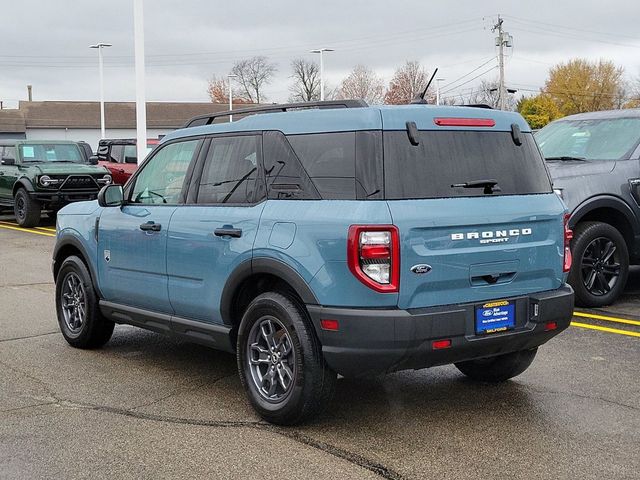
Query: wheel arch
{"type": "Point", "coordinates": [68, 246]}
{"type": "Point", "coordinates": [256, 276]}
{"type": "Point", "coordinates": [22, 182]}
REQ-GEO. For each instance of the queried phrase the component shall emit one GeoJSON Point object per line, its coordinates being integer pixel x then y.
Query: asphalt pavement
{"type": "Point", "coordinates": [147, 406]}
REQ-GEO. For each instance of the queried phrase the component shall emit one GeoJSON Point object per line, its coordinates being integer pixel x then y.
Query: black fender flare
{"type": "Point", "coordinates": [605, 201]}
{"type": "Point", "coordinates": [22, 182]}
{"type": "Point", "coordinates": [258, 265]}
{"type": "Point", "coordinates": [69, 240]}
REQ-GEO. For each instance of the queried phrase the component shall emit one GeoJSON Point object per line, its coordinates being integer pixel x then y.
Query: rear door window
{"type": "Point", "coordinates": [445, 158]}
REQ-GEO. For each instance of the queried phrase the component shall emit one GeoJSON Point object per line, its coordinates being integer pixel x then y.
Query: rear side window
{"type": "Point", "coordinates": [231, 170]}
{"type": "Point", "coordinates": [445, 158]}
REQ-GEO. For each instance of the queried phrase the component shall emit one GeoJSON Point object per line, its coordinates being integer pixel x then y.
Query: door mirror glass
{"type": "Point", "coordinates": [93, 160]}
{"type": "Point", "coordinates": [8, 161]}
{"type": "Point", "coordinates": [111, 196]}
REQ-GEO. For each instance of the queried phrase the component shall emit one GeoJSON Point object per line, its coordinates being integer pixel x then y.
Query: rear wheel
{"type": "Point", "coordinates": [280, 361]}
{"type": "Point", "coordinates": [26, 210]}
{"type": "Point", "coordinates": [498, 369]}
{"type": "Point", "coordinates": [79, 317]}
{"type": "Point", "coordinates": [600, 264]}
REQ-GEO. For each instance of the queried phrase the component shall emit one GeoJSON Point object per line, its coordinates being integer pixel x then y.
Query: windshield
{"type": "Point", "coordinates": [606, 139]}
{"type": "Point", "coordinates": [462, 164]}
{"type": "Point", "coordinates": [50, 152]}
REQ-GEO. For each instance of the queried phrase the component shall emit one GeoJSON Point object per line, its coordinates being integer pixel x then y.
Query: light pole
{"type": "Point", "coordinates": [141, 102]}
{"type": "Point", "coordinates": [320, 51]}
{"type": "Point", "coordinates": [438, 80]}
{"type": "Point", "coordinates": [100, 46]}
{"type": "Point", "coordinates": [229, 77]}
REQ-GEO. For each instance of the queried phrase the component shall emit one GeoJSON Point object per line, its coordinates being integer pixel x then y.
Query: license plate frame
{"type": "Point", "coordinates": [494, 317]}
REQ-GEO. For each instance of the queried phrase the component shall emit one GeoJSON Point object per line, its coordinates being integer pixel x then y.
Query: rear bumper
{"type": "Point", "coordinates": [371, 341]}
{"type": "Point", "coordinates": [60, 198]}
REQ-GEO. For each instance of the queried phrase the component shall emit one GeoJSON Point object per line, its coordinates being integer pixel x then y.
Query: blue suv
{"type": "Point", "coordinates": [338, 239]}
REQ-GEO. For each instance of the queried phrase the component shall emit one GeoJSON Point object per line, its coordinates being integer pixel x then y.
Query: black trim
{"type": "Point", "coordinates": [259, 265]}
{"type": "Point", "coordinates": [372, 341]}
{"type": "Point", "coordinates": [208, 334]}
{"type": "Point", "coordinates": [72, 241]}
{"type": "Point", "coordinates": [605, 201]}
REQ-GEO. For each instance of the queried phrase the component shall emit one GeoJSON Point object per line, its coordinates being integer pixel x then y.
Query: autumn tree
{"type": "Point", "coordinates": [252, 75]}
{"type": "Point", "coordinates": [306, 81]}
{"type": "Point", "coordinates": [583, 86]}
{"type": "Point", "coordinates": [538, 110]}
{"type": "Point", "coordinates": [218, 90]}
{"type": "Point", "coordinates": [407, 83]}
{"type": "Point", "coordinates": [363, 83]}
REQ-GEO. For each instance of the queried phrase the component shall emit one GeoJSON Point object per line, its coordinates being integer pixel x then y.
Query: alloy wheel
{"type": "Point", "coordinates": [74, 302]}
{"type": "Point", "coordinates": [600, 266]}
{"type": "Point", "coordinates": [271, 359]}
{"type": "Point", "coordinates": [20, 207]}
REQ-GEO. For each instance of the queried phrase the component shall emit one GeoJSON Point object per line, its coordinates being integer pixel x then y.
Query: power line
{"type": "Point", "coordinates": [469, 73]}
{"type": "Point", "coordinates": [566, 27]}
{"type": "Point", "coordinates": [471, 79]}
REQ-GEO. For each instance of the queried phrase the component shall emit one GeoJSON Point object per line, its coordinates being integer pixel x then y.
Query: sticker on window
{"type": "Point", "coordinates": [28, 152]}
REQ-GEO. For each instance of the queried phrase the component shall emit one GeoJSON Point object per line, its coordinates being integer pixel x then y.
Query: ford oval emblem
{"type": "Point", "coordinates": [421, 268]}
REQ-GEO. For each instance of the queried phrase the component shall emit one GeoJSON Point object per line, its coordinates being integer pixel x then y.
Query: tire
{"type": "Point", "coordinates": [309, 388]}
{"type": "Point", "coordinates": [611, 267]}
{"type": "Point", "coordinates": [26, 210]}
{"type": "Point", "coordinates": [498, 369]}
{"type": "Point", "coordinates": [82, 325]}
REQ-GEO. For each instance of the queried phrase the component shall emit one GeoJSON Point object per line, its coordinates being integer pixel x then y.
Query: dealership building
{"type": "Point", "coordinates": [77, 121]}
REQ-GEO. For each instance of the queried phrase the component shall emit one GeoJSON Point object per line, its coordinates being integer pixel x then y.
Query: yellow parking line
{"type": "Point", "coordinates": [19, 229]}
{"type": "Point", "coordinates": [607, 319]}
{"type": "Point", "coordinates": [605, 329]}
{"type": "Point", "coordinates": [45, 229]}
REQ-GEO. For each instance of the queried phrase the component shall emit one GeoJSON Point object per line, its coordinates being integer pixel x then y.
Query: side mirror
{"type": "Point", "coordinates": [128, 159]}
{"type": "Point", "coordinates": [93, 159]}
{"type": "Point", "coordinates": [8, 161]}
{"type": "Point", "coordinates": [111, 196]}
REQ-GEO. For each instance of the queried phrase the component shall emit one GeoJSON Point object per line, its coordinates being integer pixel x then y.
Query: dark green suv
{"type": "Point", "coordinates": [45, 175]}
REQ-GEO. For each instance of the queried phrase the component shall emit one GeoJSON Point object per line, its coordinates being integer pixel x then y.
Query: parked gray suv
{"type": "Point", "coordinates": [594, 161]}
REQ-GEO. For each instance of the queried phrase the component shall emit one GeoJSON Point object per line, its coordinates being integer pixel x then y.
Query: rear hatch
{"type": "Point", "coordinates": [487, 241]}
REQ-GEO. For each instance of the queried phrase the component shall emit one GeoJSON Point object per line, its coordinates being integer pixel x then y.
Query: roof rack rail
{"type": "Point", "coordinates": [478, 105]}
{"type": "Point", "coordinates": [209, 118]}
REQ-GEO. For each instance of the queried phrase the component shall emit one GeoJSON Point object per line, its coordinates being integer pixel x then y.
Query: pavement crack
{"type": "Point", "coordinates": [586, 397]}
{"type": "Point", "coordinates": [25, 284]}
{"type": "Point", "coordinates": [28, 336]}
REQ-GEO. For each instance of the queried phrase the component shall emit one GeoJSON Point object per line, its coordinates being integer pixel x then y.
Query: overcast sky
{"type": "Point", "coordinates": [45, 43]}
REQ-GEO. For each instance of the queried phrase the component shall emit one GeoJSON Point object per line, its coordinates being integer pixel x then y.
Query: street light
{"type": "Point", "coordinates": [320, 51]}
{"type": "Point", "coordinates": [438, 80]}
{"type": "Point", "coordinates": [100, 46]}
{"type": "Point", "coordinates": [229, 77]}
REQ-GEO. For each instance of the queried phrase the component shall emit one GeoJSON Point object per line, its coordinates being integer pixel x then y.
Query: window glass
{"type": "Point", "coordinates": [604, 139]}
{"type": "Point", "coordinates": [162, 178]}
{"type": "Point", "coordinates": [50, 152]}
{"type": "Point", "coordinates": [230, 171]}
{"type": "Point", "coordinates": [445, 158]}
{"type": "Point", "coordinates": [130, 154]}
{"type": "Point", "coordinates": [9, 152]}
{"type": "Point", "coordinates": [329, 160]}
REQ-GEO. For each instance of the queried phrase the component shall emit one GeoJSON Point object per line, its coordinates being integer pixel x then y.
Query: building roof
{"type": "Point", "coordinates": [363, 118]}
{"type": "Point", "coordinates": [69, 114]}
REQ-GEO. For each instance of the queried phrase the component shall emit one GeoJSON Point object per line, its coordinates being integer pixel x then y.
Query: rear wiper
{"type": "Point", "coordinates": [566, 158]}
{"type": "Point", "coordinates": [490, 186]}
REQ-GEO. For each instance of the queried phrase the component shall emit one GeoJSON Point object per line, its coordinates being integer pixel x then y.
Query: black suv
{"type": "Point", "coordinates": [594, 162]}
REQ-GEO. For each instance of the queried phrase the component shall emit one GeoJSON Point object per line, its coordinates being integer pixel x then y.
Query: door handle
{"type": "Point", "coordinates": [228, 232]}
{"type": "Point", "coordinates": [150, 227]}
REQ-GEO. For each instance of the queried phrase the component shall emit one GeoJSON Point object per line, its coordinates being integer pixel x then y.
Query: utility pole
{"type": "Point", "coordinates": [141, 103]}
{"type": "Point", "coordinates": [502, 40]}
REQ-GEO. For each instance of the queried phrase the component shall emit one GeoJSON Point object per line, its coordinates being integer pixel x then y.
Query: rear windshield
{"type": "Point", "coordinates": [604, 139]}
{"type": "Point", "coordinates": [50, 152]}
{"type": "Point", "coordinates": [446, 158]}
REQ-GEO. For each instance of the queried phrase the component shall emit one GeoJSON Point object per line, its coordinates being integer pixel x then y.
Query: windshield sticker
{"type": "Point", "coordinates": [28, 152]}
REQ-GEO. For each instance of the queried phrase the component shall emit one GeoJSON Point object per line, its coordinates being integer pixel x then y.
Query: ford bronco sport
{"type": "Point", "coordinates": [38, 175]}
{"type": "Point", "coordinates": [342, 239]}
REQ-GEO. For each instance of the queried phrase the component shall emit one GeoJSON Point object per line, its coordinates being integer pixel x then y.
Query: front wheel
{"type": "Point", "coordinates": [280, 361]}
{"type": "Point", "coordinates": [26, 210]}
{"type": "Point", "coordinates": [499, 368]}
{"type": "Point", "coordinates": [600, 264]}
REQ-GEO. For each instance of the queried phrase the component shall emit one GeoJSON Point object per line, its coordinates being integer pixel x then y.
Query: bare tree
{"type": "Point", "coordinates": [487, 93]}
{"type": "Point", "coordinates": [363, 83]}
{"type": "Point", "coordinates": [218, 90]}
{"type": "Point", "coordinates": [252, 76]}
{"type": "Point", "coordinates": [306, 81]}
{"type": "Point", "coordinates": [407, 83]}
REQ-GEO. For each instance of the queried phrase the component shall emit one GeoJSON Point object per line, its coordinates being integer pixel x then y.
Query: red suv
{"type": "Point", "coordinates": [119, 156]}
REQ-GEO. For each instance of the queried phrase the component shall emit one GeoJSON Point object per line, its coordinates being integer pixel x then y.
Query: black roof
{"type": "Point", "coordinates": [605, 114]}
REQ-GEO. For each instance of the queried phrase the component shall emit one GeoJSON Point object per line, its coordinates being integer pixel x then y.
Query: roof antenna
{"type": "Point", "coordinates": [419, 100]}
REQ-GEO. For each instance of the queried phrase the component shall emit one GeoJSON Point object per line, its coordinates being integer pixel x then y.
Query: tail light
{"type": "Point", "coordinates": [373, 255]}
{"type": "Point", "coordinates": [568, 235]}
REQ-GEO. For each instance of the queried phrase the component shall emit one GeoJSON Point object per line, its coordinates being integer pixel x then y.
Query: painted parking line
{"type": "Point", "coordinates": [605, 329]}
{"type": "Point", "coordinates": [28, 230]}
{"type": "Point", "coordinates": [44, 229]}
{"type": "Point", "coordinates": [606, 318]}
